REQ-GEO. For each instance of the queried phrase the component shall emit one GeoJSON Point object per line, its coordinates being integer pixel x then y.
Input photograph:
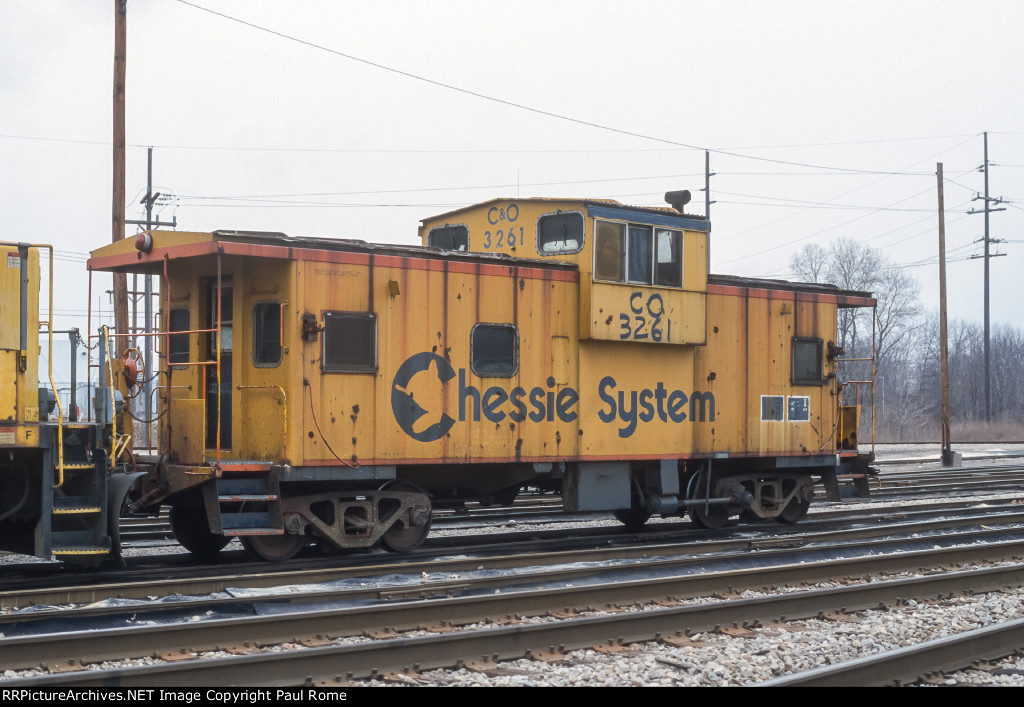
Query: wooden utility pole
{"type": "Point", "coordinates": [117, 213]}
{"type": "Point", "coordinates": [948, 458]}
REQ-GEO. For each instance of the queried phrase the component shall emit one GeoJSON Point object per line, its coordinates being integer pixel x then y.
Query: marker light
{"type": "Point", "coordinates": [144, 242]}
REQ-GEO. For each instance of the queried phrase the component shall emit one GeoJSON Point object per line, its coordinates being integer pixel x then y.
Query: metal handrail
{"type": "Point", "coordinates": [113, 408]}
{"type": "Point", "coordinates": [873, 360]}
{"type": "Point", "coordinates": [168, 333]}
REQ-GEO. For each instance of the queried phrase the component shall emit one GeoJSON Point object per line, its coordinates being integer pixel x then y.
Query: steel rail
{"type": "Point", "coordinates": [533, 514]}
{"type": "Point", "coordinates": [537, 515]}
{"type": "Point", "coordinates": [433, 588]}
{"type": "Point", "coordinates": [938, 459]}
{"type": "Point", "coordinates": [912, 489]}
{"type": "Point", "coordinates": [97, 645]}
{"type": "Point", "coordinates": [335, 663]}
{"type": "Point", "coordinates": [675, 555]}
{"type": "Point", "coordinates": [909, 664]}
{"type": "Point", "coordinates": [965, 473]}
{"type": "Point", "coordinates": [968, 478]}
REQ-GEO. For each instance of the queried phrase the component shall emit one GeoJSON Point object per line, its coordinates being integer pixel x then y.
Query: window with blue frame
{"type": "Point", "coordinates": [638, 254]}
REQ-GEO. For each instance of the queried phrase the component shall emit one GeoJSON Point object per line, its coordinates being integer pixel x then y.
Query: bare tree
{"type": "Point", "coordinates": [884, 333]}
{"type": "Point", "coordinates": [906, 348]}
{"type": "Point", "coordinates": [810, 263]}
{"type": "Point", "coordinates": [898, 307]}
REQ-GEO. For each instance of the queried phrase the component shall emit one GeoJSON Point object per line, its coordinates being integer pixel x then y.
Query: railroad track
{"type": "Point", "coordinates": [529, 547]}
{"type": "Point", "coordinates": [152, 531]}
{"type": "Point", "coordinates": [858, 529]}
{"type": "Point", "coordinates": [449, 577]}
{"type": "Point", "coordinates": [340, 632]}
{"type": "Point", "coordinates": [136, 531]}
{"type": "Point", "coordinates": [349, 644]}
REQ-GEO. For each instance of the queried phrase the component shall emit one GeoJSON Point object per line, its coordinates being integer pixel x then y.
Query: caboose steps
{"type": "Point", "coordinates": [78, 542]}
{"type": "Point", "coordinates": [67, 553]}
{"type": "Point", "coordinates": [84, 466]}
{"type": "Point", "coordinates": [69, 505]}
{"type": "Point", "coordinates": [241, 507]}
{"type": "Point", "coordinates": [77, 498]}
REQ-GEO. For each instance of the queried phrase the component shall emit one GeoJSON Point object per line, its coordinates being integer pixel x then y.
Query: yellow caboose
{"type": "Point", "coordinates": [338, 390]}
{"type": "Point", "coordinates": [733, 380]}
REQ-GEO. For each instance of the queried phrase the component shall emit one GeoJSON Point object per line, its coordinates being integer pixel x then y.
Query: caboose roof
{"type": "Point", "coordinates": [844, 298]}
{"type": "Point", "coordinates": [124, 257]}
{"type": "Point", "coordinates": [176, 245]}
{"type": "Point", "coordinates": [607, 208]}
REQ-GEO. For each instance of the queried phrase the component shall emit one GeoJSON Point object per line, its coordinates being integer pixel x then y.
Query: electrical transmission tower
{"type": "Point", "coordinates": [988, 241]}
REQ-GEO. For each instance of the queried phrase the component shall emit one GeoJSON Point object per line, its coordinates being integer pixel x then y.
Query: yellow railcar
{"type": "Point", "coordinates": [733, 378]}
{"type": "Point", "coordinates": [56, 476]}
{"type": "Point", "coordinates": [338, 391]}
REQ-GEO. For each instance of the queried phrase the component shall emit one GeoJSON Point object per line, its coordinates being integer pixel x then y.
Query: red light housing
{"type": "Point", "coordinates": [144, 242]}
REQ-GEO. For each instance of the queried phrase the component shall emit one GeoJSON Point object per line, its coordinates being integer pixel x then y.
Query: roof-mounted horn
{"type": "Point", "coordinates": [678, 199]}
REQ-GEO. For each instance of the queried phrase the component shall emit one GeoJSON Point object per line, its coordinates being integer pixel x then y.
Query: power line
{"type": "Point", "coordinates": [784, 202]}
{"type": "Point", "coordinates": [833, 171]}
{"type": "Point", "coordinates": [926, 231]}
{"type": "Point", "coordinates": [849, 142]}
{"type": "Point", "coordinates": [819, 232]}
{"type": "Point", "coordinates": [851, 191]}
{"type": "Point", "coordinates": [520, 106]}
{"type": "Point", "coordinates": [419, 190]}
{"type": "Point", "coordinates": [493, 150]}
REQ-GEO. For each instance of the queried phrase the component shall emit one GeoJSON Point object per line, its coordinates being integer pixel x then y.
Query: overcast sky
{"type": "Point", "coordinates": [358, 119]}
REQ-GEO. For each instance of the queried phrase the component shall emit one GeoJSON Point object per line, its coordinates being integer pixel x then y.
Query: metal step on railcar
{"type": "Point", "coordinates": [75, 494]}
{"type": "Point", "coordinates": [244, 506]}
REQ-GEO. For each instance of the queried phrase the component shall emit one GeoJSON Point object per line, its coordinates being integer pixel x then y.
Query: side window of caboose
{"type": "Point", "coordinates": [350, 342]}
{"type": "Point", "coordinates": [668, 258]}
{"type": "Point", "coordinates": [449, 237]}
{"type": "Point", "coordinates": [494, 350]}
{"type": "Point", "coordinates": [638, 255]}
{"type": "Point", "coordinates": [177, 345]}
{"type": "Point", "coordinates": [807, 362]}
{"type": "Point", "coordinates": [608, 251]}
{"type": "Point", "coordinates": [266, 334]}
{"type": "Point", "coordinates": [560, 233]}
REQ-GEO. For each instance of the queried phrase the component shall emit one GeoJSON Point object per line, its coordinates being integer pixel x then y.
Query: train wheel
{"type": "Point", "coordinates": [405, 535]}
{"type": "Point", "coordinates": [702, 514]}
{"type": "Point", "coordinates": [795, 510]}
{"type": "Point", "coordinates": [632, 518]}
{"type": "Point", "coordinates": [710, 517]}
{"type": "Point", "coordinates": [404, 538]}
{"type": "Point", "coordinates": [274, 548]}
{"type": "Point", "coordinates": [192, 531]}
